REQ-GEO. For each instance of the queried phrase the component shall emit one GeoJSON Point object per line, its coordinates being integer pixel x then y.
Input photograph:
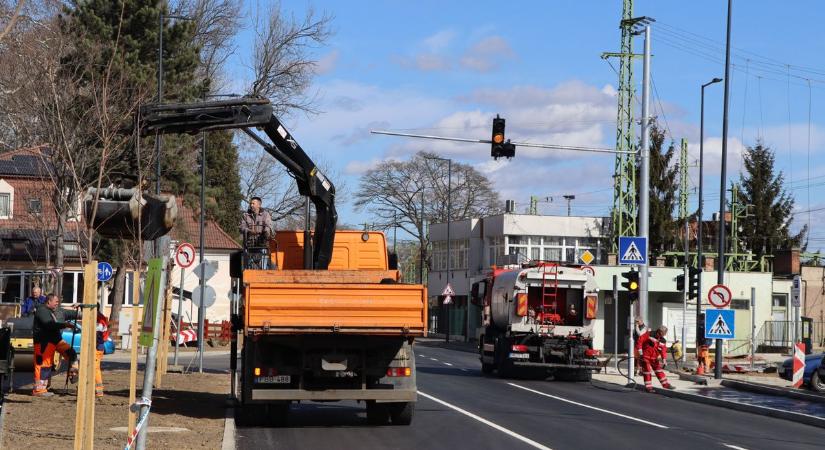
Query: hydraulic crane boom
{"type": "Point", "coordinates": [244, 114]}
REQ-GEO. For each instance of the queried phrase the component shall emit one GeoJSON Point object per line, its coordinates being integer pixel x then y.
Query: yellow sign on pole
{"type": "Point", "coordinates": [587, 257]}
{"type": "Point", "coordinates": [151, 305]}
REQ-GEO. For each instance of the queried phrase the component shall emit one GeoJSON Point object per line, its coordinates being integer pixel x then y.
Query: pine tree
{"type": "Point", "coordinates": [223, 182]}
{"type": "Point", "coordinates": [767, 225]}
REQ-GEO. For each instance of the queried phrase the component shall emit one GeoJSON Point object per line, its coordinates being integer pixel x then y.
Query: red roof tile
{"type": "Point", "coordinates": [188, 229]}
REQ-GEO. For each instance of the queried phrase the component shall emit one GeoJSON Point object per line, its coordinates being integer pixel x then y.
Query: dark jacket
{"type": "Point", "coordinates": [48, 323]}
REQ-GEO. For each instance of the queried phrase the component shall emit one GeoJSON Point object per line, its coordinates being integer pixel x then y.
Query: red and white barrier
{"type": "Point", "coordinates": [185, 336]}
{"type": "Point", "coordinates": [798, 365]}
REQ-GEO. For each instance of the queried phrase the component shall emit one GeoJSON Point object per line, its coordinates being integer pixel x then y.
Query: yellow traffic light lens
{"type": "Point", "coordinates": [634, 285]}
{"type": "Point", "coordinates": [498, 138]}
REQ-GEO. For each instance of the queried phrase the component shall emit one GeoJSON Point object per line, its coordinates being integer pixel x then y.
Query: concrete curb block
{"type": "Point", "coordinates": [771, 390]}
{"type": "Point", "coordinates": [229, 430]}
{"type": "Point", "coordinates": [761, 410]}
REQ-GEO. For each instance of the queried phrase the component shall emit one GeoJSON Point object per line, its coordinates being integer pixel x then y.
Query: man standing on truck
{"type": "Point", "coordinates": [49, 320]}
{"type": "Point", "coordinates": [256, 224]}
{"type": "Point", "coordinates": [652, 348]}
{"type": "Point", "coordinates": [31, 302]}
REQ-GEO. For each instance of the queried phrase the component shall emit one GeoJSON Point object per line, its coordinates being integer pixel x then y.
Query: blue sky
{"type": "Point", "coordinates": [448, 67]}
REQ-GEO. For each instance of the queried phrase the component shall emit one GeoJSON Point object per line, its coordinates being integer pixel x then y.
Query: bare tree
{"type": "Point", "coordinates": [13, 16]}
{"type": "Point", "coordinates": [406, 193]}
{"type": "Point", "coordinates": [282, 69]}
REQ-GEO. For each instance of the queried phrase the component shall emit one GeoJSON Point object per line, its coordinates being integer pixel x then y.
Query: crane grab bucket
{"type": "Point", "coordinates": [129, 213]}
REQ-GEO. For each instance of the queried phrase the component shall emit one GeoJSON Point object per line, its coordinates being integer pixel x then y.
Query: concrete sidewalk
{"type": "Point", "coordinates": [716, 393]}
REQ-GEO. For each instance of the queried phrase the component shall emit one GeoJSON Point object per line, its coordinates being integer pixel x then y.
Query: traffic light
{"type": "Point", "coordinates": [680, 282]}
{"type": "Point", "coordinates": [501, 147]}
{"type": "Point", "coordinates": [693, 282]}
{"type": "Point", "coordinates": [632, 284]}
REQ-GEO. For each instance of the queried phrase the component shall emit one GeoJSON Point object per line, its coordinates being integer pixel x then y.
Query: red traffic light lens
{"type": "Point", "coordinates": [498, 138]}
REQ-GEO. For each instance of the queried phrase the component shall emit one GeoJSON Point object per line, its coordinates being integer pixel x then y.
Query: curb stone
{"type": "Point", "coordinates": [229, 430]}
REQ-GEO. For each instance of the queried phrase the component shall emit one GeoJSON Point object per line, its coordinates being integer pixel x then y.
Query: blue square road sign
{"type": "Point", "coordinates": [719, 323]}
{"type": "Point", "coordinates": [632, 250]}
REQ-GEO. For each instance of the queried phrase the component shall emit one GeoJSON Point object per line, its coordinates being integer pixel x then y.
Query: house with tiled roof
{"type": "Point", "coordinates": [28, 226]}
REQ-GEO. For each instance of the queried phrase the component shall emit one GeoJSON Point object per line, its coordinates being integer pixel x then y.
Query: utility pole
{"type": "Point", "coordinates": [569, 199]}
{"type": "Point", "coordinates": [683, 197]}
{"type": "Point", "coordinates": [722, 181]}
{"type": "Point", "coordinates": [644, 180]}
{"type": "Point", "coordinates": [202, 305]}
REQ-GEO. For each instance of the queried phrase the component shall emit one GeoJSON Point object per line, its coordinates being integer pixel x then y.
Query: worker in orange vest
{"type": "Point", "coordinates": [653, 349]}
{"type": "Point", "coordinates": [102, 332]}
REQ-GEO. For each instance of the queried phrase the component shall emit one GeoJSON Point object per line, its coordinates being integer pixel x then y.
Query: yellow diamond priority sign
{"type": "Point", "coordinates": [587, 257]}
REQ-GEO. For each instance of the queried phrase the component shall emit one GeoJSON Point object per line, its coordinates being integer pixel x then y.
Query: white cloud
{"type": "Point", "coordinates": [485, 54]}
{"type": "Point", "coordinates": [327, 63]}
{"type": "Point", "coordinates": [439, 41]}
{"type": "Point", "coordinates": [360, 167]}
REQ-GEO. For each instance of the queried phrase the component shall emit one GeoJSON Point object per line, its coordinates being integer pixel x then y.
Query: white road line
{"type": "Point", "coordinates": [421, 356]}
{"type": "Point", "coordinates": [734, 447]}
{"type": "Point", "coordinates": [433, 359]}
{"type": "Point", "coordinates": [464, 370]}
{"type": "Point", "coordinates": [449, 364]}
{"type": "Point", "coordinates": [524, 439]}
{"type": "Point", "coordinates": [588, 406]}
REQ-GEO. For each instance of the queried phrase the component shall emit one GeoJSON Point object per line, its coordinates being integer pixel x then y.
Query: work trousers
{"type": "Point", "coordinates": [98, 373]}
{"type": "Point", "coordinates": [44, 360]}
{"type": "Point", "coordinates": [655, 366]}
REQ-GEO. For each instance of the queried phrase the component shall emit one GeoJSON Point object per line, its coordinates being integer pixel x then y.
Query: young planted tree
{"type": "Point", "coordinates": [406, 193]}
{"type": "Point", "coordinates": [767, 225]}
{"type": "Point", "coordinates": [663, 176]}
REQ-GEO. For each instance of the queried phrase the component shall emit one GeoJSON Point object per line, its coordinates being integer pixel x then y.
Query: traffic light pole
{"type": "Point", "coordinates": [644, 181]}
{"type": "Point", "coordinates": [722, 180]}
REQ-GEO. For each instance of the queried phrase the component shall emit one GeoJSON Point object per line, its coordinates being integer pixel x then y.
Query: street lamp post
{"type": "Point", "coordinates": [449, 221]}
{"type": "Point", "coordinates": [699, 258]}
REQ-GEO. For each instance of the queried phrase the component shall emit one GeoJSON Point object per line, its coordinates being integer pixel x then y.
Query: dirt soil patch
{"type": "Point", "coordinates": [193, 401]}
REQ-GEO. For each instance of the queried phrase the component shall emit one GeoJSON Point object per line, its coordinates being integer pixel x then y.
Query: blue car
{"type": "Point", "coordinates": [68, 335]}
{"type": "Point", "coordinates": [811, 377]}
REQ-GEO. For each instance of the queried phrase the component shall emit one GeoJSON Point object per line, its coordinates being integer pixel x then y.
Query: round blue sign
{"type": "Point", "coordinates": [104, 271]}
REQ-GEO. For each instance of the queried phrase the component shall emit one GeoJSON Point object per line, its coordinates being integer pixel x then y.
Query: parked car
{"type": "Point", "coordinates": [813, 376]}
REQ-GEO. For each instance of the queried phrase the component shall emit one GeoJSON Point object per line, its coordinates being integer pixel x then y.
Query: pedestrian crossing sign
{"type": "Point", "coordinates": [719, 324]}
{"type": "Point", "coordinates": [632, 250]}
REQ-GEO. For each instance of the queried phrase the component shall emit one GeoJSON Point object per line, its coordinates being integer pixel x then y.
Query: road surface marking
{"type": "Point", "coordinates": [421, 356]}
{"type": "Point", "coordinates": [734, 447]}
{"type": "Point", "coordinates": [524, 439]}
{"type": "Point", "coordinates": [449, 364]}
{"type": "Point", "coordinates": [463, 370]}
{"type": "Point", "coordinates": [588, 406]}
{"type": "Point", "coordinates": [433, 359]}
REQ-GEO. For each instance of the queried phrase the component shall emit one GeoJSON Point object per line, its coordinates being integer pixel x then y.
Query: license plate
{"type": "Point", "coordinates": [519, 356]}
{"type": "Point", "coordinates": [279, 379]}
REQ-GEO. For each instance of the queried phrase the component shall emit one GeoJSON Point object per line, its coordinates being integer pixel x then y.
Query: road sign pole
{"type": "Point", "coordinates": [684, 312]}
{"type": "Point", "coordinates": [180, 307]}
{"type": "Point", "coordinates": [630, 347]}
{"type": "Point", "coordinates": [753, 323]}
{"type": "Point", "coordinates": [644, 177]}
{"type": "Point", "coordinates": [616, 320]}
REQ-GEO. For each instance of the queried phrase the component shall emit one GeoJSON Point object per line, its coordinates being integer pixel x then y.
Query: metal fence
{"type": "Point", "coordinates": [776, 335]}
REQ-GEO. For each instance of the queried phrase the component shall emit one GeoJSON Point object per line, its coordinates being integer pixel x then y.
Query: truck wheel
{"type": "Point", "coordinates": [250, 415]}
{"type": "Point", "coordinates": [277, 414]}
{"type": "Point", "coordinates": [401, 413]}
{"type": "Point", "coordinates": [377, 413]}
{"type": "Point", "coordinates": [487, 369]}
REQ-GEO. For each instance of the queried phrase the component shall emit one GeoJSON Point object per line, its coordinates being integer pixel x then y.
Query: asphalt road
{"type": "Point", "coordinates": [459, 408]}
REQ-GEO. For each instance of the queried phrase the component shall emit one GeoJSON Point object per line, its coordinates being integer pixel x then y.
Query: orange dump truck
{"type": "Point", "coordinates": [345, 333]}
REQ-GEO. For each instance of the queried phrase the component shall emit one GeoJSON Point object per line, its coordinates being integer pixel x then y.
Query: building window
{"type": "Point", "coordinates": [5, 205]}
{"type": "Point", "coordinates": [779, 300]}
{"type": "Point", "coordinates": [740, 304]}
{"type": "Point", "coordinates": [459, 254]}
{"type": "Point", "coordinates": [495, 249]}
{"type": "Point", "coordinates": [34, 205]}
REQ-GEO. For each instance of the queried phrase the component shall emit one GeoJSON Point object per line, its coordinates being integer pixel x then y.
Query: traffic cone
{"type": "Point", "coordinates": [700, 369]}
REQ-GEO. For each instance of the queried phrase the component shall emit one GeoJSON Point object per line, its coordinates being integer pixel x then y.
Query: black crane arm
{"type": "Point", "coordinates": [246, 113]}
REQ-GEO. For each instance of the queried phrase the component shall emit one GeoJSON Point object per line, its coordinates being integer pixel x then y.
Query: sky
{"type": "Point", "coordinates": [447, 68]}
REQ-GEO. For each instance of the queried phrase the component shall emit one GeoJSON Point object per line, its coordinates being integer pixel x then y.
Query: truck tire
{"type": "Point", "coordinates": [377, 413]}
{"type": "Point", "coordinates": [487, 369]}
{"type": "Point", "coordinates": [277, 414]}
{"type": "Point", "coordinates": [401, 413]}
{"type": "Point", "coordinates": [250, 415]}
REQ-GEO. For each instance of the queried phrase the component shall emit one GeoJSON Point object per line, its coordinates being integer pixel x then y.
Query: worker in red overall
{"type": "Point", "coordinates": [102, 335]}
{"type": "Point", "coordinates": [652, 349]}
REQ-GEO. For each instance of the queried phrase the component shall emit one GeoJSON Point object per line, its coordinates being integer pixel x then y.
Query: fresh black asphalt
{"type": "Point", "coordinates": [577, 416]}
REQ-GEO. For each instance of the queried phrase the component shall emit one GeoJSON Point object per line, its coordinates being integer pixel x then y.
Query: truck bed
{"type": "Point", "coordinates": [340, 301]}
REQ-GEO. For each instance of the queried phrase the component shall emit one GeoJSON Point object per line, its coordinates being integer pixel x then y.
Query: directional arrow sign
{"type": "Point", "coordinates": [104, 271]}
{"type": "Point", "coordinates": [209, 268]}
{"type": "Point", "coordinates": [208, 296]}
